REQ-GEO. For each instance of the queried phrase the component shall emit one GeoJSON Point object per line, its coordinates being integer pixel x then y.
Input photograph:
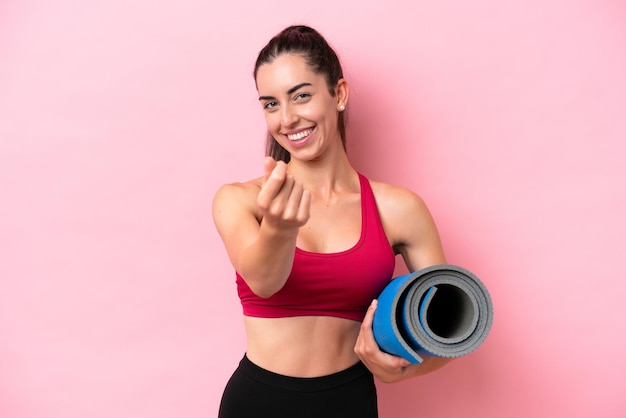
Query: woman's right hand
{"type": "Point", "coordinates": [260, 227]}
{"type": "Point", "coordinates": [283, 202]}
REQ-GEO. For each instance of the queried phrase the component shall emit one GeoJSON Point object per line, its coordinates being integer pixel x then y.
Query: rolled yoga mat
{"type": "Point", "coordinates": [441, 311]}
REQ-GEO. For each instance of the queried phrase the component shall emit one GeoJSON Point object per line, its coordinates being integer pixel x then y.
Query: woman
{"type": "Point", "coordinates": [313, 242]}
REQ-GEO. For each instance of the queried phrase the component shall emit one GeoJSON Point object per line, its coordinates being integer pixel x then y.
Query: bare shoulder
{"type": "Point", "coordinates": [236, 197]}
{"type": "Point", "coordinates": [236, 191]}
{"type": "Point", "coordinates": [408, 224]}
{"type": "Point", "coordinates": [397, 201]}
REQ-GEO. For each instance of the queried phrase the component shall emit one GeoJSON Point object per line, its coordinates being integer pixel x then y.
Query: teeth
{"type": "Point", "coordinates": [300, 135]}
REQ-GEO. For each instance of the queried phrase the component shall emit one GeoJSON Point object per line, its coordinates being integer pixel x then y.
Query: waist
{"type": "Point", "coordinates": [305, 346]}
{"type": "Point", "coordinates": [310, 384]}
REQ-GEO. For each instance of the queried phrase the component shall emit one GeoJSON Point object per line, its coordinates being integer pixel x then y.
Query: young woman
{"type": "Point", "coordinates": [313, 242]}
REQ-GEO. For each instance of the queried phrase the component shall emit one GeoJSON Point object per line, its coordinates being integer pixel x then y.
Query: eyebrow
{"type": "Point", "coordinates": [290, 91]}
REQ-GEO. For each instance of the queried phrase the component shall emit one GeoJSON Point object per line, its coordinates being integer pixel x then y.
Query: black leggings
{"type": "Point", "coordinates": [255, 392]}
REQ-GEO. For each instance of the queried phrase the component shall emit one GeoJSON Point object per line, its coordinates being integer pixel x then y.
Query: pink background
{"type": "Point", "coordinates": [120, 119]}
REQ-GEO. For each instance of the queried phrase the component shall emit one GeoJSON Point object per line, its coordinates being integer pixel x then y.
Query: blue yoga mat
{"type": "Point", "coordinates": [442, 311]}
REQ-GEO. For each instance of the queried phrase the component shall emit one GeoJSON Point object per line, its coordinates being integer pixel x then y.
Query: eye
{"type": "Point", "coordinates": [302, 96]}
{"type": "Point", "coordinates": [270, 105]}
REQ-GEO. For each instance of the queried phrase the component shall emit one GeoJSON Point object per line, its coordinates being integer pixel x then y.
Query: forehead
{"type": "Point", "coordinates": [284, 72]}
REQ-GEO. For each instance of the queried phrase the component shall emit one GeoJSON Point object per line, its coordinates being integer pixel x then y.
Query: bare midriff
{"type": "Point", "coordinates": [302, 346]}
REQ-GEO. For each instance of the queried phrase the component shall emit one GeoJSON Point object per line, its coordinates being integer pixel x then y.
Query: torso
{"type": "Point", "coordinates": [310, 346]}
{"type": "Point", "coordinates": [302, 346]}
{"type": "Point", "coordinates": [323, 234]}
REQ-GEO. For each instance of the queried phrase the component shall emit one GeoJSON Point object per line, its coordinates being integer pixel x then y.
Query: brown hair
{"type": "Point", "coordinates": [319, 55]}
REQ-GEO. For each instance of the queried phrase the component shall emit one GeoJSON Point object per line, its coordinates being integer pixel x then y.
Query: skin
{"type": "Point", "coordinates": [297, 204]}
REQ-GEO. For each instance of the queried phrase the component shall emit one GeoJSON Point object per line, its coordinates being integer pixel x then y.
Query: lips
{"type": "Point", "coordinates": [300, 135]}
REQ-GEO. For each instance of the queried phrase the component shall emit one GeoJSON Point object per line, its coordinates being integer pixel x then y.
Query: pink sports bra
{"type": "Point", "coordinates": [340, 284]}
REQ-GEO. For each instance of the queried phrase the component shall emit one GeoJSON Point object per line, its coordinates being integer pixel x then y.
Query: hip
{"type": "Point", "coordinates": [255, 391]}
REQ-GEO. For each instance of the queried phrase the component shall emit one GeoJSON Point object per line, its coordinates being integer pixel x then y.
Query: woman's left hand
{"type": "Point", "coordinates": [387, 367]}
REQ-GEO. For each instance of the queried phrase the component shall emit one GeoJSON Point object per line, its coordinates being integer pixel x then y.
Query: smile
{"type": "Point", "coordinates": [300, 135]}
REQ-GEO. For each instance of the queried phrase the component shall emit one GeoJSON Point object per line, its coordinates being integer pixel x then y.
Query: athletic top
{"type": "Point", "coordinates": [340, 284]}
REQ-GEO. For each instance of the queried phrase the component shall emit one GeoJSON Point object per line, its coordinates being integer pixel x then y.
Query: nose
{"type": "Point", "coordinates": [287, 116]}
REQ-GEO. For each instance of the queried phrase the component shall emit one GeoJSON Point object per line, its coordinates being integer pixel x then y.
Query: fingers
{"type": "Point", "coordinates": [304, 211]}
{"type": "Point", "coordinates": [369, 316]}
{"type": "Point", "coordinates": [272, 185]}
{"type": "Point", "coordinates": [366, 343]}
{"type": "Point", "coordinates": [386, 366]}
{"type": "Point", "coordinates": [368, 340]}
{"type": "Point", "coordinates": [270, 163]}
{"type": "Point", "coordinates": [294, 198]}
{"type": "Point", "coordinates": [281, 198]}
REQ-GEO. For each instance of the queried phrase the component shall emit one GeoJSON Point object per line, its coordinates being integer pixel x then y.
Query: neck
{"type": "Point", "coordinates": [325, 176]}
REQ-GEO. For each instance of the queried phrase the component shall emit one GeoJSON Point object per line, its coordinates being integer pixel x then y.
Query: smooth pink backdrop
{"type": "Point", "coordinates": [120, 119]}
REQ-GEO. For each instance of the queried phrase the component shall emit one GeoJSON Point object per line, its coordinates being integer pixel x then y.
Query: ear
{"type": "Point", "coordinates": [342, 92]}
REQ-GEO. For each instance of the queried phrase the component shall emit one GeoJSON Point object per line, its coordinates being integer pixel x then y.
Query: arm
{"type": "Point", "coordinates": [413, 234]}
{"type": "Point", "coordinates": [259, 226]}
